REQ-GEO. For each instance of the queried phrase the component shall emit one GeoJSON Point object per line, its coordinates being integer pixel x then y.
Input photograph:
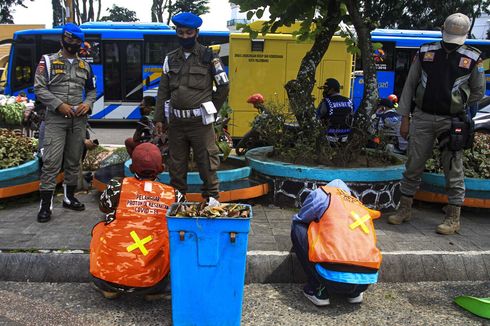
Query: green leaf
{"type": "Point", "coordinates": [250, 14]}
{"type": "Point", "coordinates": [259, 13]}
{"type": "Point", "coordinates": [343, 9]}
{"type": "Point", "coordinates": [377, 45]}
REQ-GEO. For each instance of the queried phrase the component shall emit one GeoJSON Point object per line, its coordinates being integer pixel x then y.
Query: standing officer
{"type": "Point", "coordinates": [444, 77]}
{"type": "Point", "coordinates": [187, 80]}
{"type": "Point", "coordinates": [61, 83]}
{"type": "Point", "coordinates": [336, 112]}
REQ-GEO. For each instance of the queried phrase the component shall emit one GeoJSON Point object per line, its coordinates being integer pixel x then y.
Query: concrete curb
{"type": "Point", "coordinates": [265, 267]}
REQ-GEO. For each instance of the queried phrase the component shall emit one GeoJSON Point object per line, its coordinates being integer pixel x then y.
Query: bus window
{"type": "Point", "coordinates": [112, 72]}
{"type": "Point", "coordinates": [404, 57]}
{"type": "Point", "coordinates": [133, 72]}
{"type": "Point", "coordinates": [49, 44]}
{"type": "Point", "coordinates": [24, 63]}
{"type": "Point", "coordinates": [91, 50]}
{"type": "Point", "coordinates": [384, 56]}
{"type": "Point", "coordinates": [157, 47]}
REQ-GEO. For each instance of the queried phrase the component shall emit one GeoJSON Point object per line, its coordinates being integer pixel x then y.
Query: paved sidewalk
{"type": "Point", "coordinates": [411, 252]}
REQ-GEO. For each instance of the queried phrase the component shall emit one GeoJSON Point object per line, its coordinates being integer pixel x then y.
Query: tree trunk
{"type": "Point", "coordinates": [99, 10]}
{"type": "Point", "coordinates": [76, 12]}
{"type": "Point", "coordinates": [169, 10]}
{"type": "Point", "coordinates": [371, 95]}
{"type": "Point", "coordinates": [299, 90]}
{"type": "Point", "coordinates": [84, 12]}
{"type": "Point", "coordinates": [90, 16]}
{"type": "Point", "coordinates": [157, 11]}
{"type": "Point", "coordinates": [57, 13]}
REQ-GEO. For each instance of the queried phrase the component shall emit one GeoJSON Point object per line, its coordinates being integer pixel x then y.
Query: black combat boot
{"type": "Point", "coordinates": [69, 200]}
{"type": "Point", "coordinates": [46, 206]}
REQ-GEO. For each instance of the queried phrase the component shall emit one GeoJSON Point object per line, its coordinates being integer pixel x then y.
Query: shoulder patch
{"type": "Point", "coordinates": [429, 56]}
{"type": "Point", "coordinates": [465, 63]}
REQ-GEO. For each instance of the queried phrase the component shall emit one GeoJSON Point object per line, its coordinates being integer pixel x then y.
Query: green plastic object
{"type": "Point", "coordinates": [477, 306]}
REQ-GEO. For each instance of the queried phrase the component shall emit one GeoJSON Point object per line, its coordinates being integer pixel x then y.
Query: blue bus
{"type": "Point", "coordinates": [126, 59]}
{"type": "Point", "coordinates": [394, 58]}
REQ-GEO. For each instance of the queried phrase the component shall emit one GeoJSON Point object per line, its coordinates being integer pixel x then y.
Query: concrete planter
{"type": "Point", "coordinates": [241, 171]}
{"type": "Point", "coordinates": [20, 179]}
{"type": "Point", "coordinates": [377, 188]}
{"type": "Point", "coordinates": [432, 189]}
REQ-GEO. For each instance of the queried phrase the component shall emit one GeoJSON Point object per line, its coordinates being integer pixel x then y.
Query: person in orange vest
{"type": "Point", "coordinates": [334, 239]}
{"type": "Point", "coordinates": [129, 251]}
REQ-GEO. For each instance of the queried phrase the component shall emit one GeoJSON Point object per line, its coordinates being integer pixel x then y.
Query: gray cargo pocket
{"type": "Point", "coordinates": [213, 155]}
{"type": "Point", "coordinates": [198, 77]}
{"type": "Point", "coordinates": [82, 76]}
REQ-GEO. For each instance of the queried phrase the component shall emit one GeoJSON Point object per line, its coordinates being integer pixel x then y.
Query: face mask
{"type": "Point", "coordinates": [70, 48]}
{"type": "Point", "coordinates": [187, 43]}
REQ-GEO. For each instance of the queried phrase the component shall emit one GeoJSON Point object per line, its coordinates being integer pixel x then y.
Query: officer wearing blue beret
{"type": "Point", "coordinates": [60, 82]}
{"type": "Point", "coordinates": [189, 74]}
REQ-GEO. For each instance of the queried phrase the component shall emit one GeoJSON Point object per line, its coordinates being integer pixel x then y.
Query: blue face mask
{"type": "Point", "coordinates": [187, 43]}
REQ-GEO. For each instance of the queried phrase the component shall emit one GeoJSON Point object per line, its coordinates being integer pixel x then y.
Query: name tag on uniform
{"type": "Point", "coordinates": [464, 63]}
{"type": "Point", "coordinates": [429, 56]}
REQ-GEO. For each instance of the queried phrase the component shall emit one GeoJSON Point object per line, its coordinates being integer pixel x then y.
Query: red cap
{"type": "Point", "coordinates": [256, 98]}
{"type": "Point", "coordinates": [147, 160]}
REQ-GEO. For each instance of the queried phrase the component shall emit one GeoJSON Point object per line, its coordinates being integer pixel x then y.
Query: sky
{"type": "Point", "coordinates": [40, 12]}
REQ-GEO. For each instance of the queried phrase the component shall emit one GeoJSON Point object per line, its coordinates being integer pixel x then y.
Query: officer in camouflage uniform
{"type": "Point", "coordinates": [444, 77]}
{"type": "Point", "coordinates": [187, 80]}
{"type": "Point", "coordinates": [62, 81]}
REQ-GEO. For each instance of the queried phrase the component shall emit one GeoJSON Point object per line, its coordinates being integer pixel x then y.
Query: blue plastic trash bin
{"type": "Point", "coordinates": [207, 265]}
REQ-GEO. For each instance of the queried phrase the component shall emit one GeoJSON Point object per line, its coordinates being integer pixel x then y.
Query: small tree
{"type": "Point", "coordinates": [6, 10]}
{"type": "Point", "coordinates": [198, 7]}
{"type": "Point", "coordinates": [120, 14]}
{"type": "Point", "coordinates": [325, 16]}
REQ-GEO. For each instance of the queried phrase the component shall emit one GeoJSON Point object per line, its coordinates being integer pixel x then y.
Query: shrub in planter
{"type": "Point", "coordinates": [94, 158]}
{"type": "Point", "coordinates": [15, 149]}
{"type": "Point", "coordinates": [309, 147]}
{"type": "Point", "coordinates": [12, 110]}
{"type": "Point", "coordinates": [476, 161]}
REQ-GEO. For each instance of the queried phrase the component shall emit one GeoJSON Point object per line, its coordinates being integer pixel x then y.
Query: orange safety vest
{"type": "Point", "coordinates": [345, 233]}
{"type": "Point", "coordinates": [133, 250]}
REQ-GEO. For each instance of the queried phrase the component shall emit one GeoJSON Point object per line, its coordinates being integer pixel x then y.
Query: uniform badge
{"type": "Point", "coordinates": [429, 56]}
{"type": "Point", "coordinates": [480, 66]}
{"type": "Point", "coordinates": [58, 62]}
{"type": "Point", "coordinates": [464, 63]}
{"type": "Point", "coordinates": [81, 64]}
{"type": "Point", "coordinates": [41, 67]}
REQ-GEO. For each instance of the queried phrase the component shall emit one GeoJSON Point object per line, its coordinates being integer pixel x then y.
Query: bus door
{"type": "Point", "coordinates": [123, 87]}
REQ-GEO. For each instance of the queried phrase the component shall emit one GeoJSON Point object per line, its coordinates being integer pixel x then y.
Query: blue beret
{"type": "Point", "coordinates": [73, 30]}
{"type": "Point", "coordinates": [187, 19]}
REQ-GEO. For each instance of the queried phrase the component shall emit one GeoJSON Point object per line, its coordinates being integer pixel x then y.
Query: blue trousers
{"type": "Point", "coordinates": [299, 237]}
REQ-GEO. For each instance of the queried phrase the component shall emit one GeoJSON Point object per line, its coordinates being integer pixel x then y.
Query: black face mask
{"type": "Point", "coordinates": [70, 48]}
{"type": "Point", "coordinates": [187, 43]}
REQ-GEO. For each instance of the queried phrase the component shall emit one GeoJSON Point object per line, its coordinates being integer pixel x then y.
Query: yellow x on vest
{"type": "Point", "coordinates": [360, 222]}
{"type": "Point", "coordinates": [139, 244]}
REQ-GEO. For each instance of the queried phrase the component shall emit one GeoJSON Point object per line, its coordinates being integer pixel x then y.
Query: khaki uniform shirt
{"type": "Point", "coordinates": [187, 82]}
{"type": "Point", "coordinates": [59, 81]}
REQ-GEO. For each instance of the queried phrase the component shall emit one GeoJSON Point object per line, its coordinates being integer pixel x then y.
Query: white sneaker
{"type": "Point", "coordinates": [318, 297]}
{"type": "Point", "coordinates": [213, 202]}
{"type": "Point", "coordinates": [357, 299]}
